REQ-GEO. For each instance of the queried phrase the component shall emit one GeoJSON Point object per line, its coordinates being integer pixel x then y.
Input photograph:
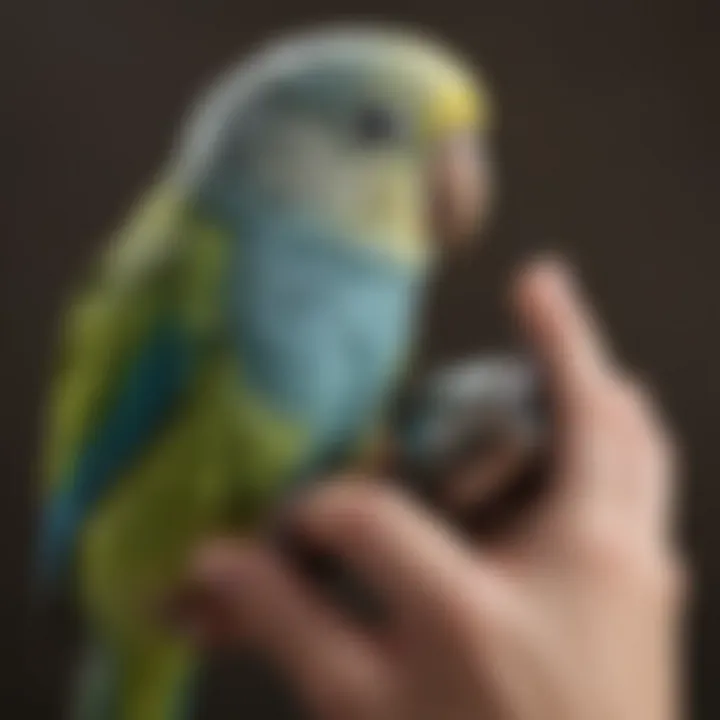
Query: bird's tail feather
{"type": "Point", "coordinates": [145, 684]}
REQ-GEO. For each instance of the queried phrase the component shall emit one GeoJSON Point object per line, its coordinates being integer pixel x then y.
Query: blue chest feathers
{"type": "Point", "coordinates": [320, 325]}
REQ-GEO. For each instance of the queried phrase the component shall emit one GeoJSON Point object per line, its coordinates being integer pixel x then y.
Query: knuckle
{"type": "Point", "coordinates": [347, 485]}
{"type": "Point", "coordinates": [344, 495]}
{"type": "Point", "coordinates": [356, 509]}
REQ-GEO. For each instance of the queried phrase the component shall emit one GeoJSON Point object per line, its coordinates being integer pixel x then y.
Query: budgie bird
{"type": "Point", "coordinates": [244, 329]}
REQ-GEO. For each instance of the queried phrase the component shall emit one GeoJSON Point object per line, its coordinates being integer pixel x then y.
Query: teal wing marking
{"type": "Point", "coordinates": [145, 398]}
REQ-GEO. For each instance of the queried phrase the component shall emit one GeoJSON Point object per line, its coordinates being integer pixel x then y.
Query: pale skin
{"type": "Point", "coordinates": [575, 616]}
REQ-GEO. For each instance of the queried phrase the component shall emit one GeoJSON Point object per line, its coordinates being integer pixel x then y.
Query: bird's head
{"type": "Point", "coordinates": [378, 133]}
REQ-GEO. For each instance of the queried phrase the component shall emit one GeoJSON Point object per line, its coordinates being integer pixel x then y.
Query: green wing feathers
{"type": "Point", "coordinates": [129, 349]}
{"type": "Point", "coordinates": [104, 328]}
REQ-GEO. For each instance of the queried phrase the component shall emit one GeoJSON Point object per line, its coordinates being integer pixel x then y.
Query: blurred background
{"type": "Point", "coordinates": [607, 151]}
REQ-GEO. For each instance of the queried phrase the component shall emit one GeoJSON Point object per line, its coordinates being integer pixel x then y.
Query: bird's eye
{"type": "Point", "coordinates": [377, 125]}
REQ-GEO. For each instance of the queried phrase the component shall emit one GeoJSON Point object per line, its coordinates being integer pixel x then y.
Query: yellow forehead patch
{"type": "Point", "coordinates": [455, 107]}
{"type": "Point", "coordinates": [457, 97]}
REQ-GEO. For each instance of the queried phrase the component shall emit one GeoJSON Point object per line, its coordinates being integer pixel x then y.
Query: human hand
{"type": "Point", "coordinates": [576, 616]}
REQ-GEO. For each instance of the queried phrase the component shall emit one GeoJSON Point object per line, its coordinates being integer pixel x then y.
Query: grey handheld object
{"type": "Point", "coordinates": [472, 438]}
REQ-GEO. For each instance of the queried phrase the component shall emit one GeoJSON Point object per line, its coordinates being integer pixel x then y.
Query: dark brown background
{"type": "Point", "coordinates": [607, 149]}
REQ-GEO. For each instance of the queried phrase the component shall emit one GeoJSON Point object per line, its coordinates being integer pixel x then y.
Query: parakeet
{"type": "Point", "coordinates": [243, 331]}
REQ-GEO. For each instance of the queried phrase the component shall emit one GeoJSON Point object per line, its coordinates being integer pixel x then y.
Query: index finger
{"type": "Point", "coordinates": [562, 328]}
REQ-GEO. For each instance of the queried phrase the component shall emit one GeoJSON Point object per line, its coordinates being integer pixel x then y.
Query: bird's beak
{"type": "Point", "coordinates": [460, 188]}
{"type": "Point", "coordinates": [460, 173]}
